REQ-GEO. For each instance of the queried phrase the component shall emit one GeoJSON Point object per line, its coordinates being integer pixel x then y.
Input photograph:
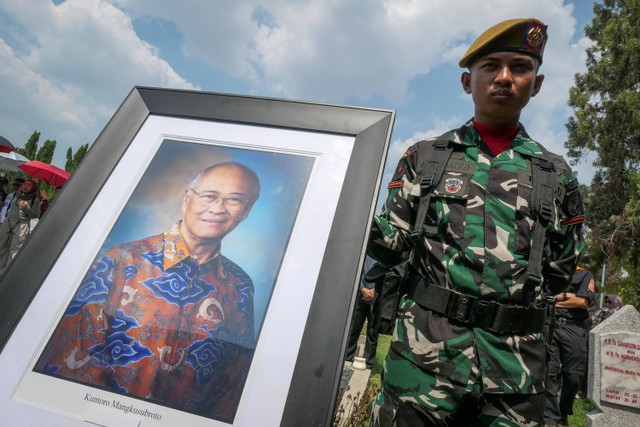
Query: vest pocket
{"type": "Point", "coordinates": [448, 205]}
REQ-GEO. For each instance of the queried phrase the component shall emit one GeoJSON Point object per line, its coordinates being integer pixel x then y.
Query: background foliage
{"type": "Point", "coordinates": [606, 123]}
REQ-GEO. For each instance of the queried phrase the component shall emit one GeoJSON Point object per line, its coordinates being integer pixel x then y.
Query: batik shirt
{"type": "Point", "coordinates": [150, 322]}
{"type": "Point", "coordinates": [477, 239]}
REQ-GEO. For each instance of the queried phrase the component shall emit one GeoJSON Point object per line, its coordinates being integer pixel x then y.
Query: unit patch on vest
{"type": "Point", "coordinates": [453, 185]}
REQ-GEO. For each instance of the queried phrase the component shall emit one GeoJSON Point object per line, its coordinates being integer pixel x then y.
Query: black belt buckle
{"type": "Point", "coordinates": [562, 321]}
{"type": "Point", "coordinates": [483, 314]}
{"type": "Point", "coordinates": [460, 306]}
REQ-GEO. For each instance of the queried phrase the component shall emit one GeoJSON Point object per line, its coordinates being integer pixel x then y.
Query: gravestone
{"type": "Point", "coordinates": [614, 370]}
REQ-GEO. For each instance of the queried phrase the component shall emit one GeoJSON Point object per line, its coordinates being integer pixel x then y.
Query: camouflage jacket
{"type": "Point", "coordinates": [477, 238]}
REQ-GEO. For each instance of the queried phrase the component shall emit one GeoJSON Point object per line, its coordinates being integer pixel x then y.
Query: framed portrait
{"type": "Point", "coordinates": [198, 268]}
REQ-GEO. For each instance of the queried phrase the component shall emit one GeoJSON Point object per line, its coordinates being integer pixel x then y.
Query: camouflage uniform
{"type": "Point", "coordinates": [476, 239]}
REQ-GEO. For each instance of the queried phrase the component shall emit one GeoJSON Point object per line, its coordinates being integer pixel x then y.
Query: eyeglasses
{"type": "Point", "coordinates": [231, 203]}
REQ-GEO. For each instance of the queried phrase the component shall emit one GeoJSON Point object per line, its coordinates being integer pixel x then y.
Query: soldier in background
{"type": "Point", "coordinates": [467, 348]}
{"type": "Point", "coordinates": [568, 362]}
{"type": "Point", "coordinates": [364, 310]}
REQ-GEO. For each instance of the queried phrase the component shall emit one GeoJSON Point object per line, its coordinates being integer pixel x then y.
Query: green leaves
{"type": "Point", "coordinates": [606, 123]}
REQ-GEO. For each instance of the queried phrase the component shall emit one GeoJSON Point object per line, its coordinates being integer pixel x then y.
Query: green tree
{"type": "Point", "coordinates": [73, 160]}
{"type": "Point", "coordinates": [31, 147]}
{"type": "Point", "coordinates": [45, 153]}
{"type": "Point", "coordinates": [606, 121]}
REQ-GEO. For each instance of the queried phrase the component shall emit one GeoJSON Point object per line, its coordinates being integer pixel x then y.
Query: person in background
{"type": "Point", "coordinates": [24, 206]}
{"type": "Point", "coordinates": [364, 310]}
{"type": "Point", "coordinates": [17, 183]}
{"type": "Point", "coordinates": [568, 362]}
{"type": "Point", "coordinates": [45, 200]}
{"type": "Point", "coordinates": [612, 303]}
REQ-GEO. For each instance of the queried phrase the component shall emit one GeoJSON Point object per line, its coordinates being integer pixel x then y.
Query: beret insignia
{"type": "Point", "coordinates": [535, 37]}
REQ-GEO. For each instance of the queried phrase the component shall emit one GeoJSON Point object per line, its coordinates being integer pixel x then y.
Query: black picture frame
{"type": "Point", "coordinates": [313, 389]}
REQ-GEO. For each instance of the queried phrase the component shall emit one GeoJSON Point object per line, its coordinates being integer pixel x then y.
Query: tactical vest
{"type": "Point", "coordinates": [493, 316]}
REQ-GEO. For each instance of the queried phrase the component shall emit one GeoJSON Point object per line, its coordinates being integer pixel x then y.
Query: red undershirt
{"type": "Point", "coordinates": [497, 138]}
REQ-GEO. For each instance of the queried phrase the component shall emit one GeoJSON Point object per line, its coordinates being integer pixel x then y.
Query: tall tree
{"type": "Point", "coordinates": [30, 149]}
{"type": "Point", "coordinates": [69, 161]}
{"type": "Point", "coordinates": [45, 153]}
{"type": "Point", "coordinates": [73, 160]}
{"type": "Point", "coordinates": [606, 121]}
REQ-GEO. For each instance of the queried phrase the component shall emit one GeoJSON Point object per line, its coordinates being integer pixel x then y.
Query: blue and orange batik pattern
{"type": "Point", "coordinates": [150, 322]}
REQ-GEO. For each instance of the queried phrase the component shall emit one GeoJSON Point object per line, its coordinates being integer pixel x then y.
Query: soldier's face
{"type": "Point", "coordinates": [501, 85]}
{"type": "Point", "coordinates": [206, 220]}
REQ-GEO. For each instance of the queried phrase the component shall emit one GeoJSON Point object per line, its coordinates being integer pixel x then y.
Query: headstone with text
{"type": "Point", "coordinates": [614, 370]}
{"type": "Point", "coordinates": [620, 368]}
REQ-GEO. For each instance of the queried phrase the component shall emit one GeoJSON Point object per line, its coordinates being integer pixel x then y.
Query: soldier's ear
{"type": "Point", "coordinates": [465, 79]}
{"type": "Point", "coordinates": [537, 84]}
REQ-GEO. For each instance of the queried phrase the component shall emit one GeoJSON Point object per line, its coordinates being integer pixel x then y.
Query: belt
{"type": "Point", "coordinates": [473, 311]}
{"type": "Point", "coordinates": [568, 321]}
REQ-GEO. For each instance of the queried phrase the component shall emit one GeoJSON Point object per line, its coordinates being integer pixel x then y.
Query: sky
{"type": "Point", "coordinates": [68, 65]}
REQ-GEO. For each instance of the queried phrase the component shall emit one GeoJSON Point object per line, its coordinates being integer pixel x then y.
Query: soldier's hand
{"type": "Point", "coordinates": [367, 294]}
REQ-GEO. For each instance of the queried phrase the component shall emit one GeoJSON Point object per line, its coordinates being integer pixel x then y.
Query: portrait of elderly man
{"type": "Point", "coordinates": [168, 318]}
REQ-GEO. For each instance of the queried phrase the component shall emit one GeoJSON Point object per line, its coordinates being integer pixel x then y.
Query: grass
{"type": "Point", "coordinates": [581, 407]}
{"type": "Point", "coordinates": [381, 352]}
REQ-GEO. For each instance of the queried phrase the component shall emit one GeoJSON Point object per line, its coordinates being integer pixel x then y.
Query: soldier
{"type": "Point", "coordinates": [488, 230]}
{"type": "Point", "coordinates": [569, 348]}
{"type": "Point", "coordinates": [365, 310]}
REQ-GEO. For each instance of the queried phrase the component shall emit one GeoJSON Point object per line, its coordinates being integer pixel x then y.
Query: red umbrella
{"type": "Point", "coordinates": [5, 145]}
{"type": "Point", "coordinates": [46, 172]}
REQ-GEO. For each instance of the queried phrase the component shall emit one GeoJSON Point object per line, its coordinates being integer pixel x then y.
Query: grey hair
{"type": "Point", "coordinates": [249, 173]}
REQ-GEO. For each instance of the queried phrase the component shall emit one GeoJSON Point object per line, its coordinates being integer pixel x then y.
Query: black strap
{"type": "Point", "coordinates": [473, 311]}
{"type": "Point", "coordinates": [433, 166]}
{"type": "Point", "coordinates": [561, 321]}
{"type": "Point", "coordinates": [544, 183]}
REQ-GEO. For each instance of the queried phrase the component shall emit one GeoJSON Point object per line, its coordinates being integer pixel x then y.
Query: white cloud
{"type": "Point", "coordinates": [355, 50]}
{"type": "Point", "coordinates": [73, 63]}
{"type": "Point", "coordinates": [334, 49]}
{"type": "Point", "coordinates": [218, 32]}
{"type": "Point", "coordinates": [70, 66]}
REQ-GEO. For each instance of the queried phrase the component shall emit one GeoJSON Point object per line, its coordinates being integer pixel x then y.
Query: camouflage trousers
{"type": "Point", "coordinates": [432, 377]}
